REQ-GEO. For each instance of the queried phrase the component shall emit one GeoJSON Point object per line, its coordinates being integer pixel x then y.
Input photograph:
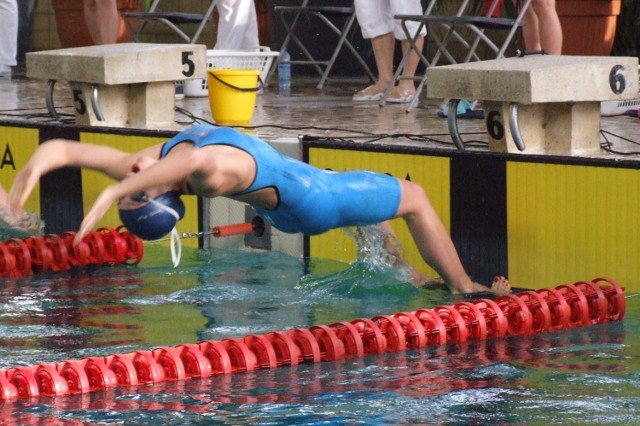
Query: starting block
{"type": "Point", "coordinates": [546, 104]}
{"type": "Point", "coordinates": [120, 85]}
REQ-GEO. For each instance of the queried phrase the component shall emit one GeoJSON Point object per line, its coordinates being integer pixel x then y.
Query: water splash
{"type": "Point", "coordinates": [379, 268]}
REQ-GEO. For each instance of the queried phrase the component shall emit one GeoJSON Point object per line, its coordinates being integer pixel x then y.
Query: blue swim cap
{"type": "Point", "coordinates": [155, 219]}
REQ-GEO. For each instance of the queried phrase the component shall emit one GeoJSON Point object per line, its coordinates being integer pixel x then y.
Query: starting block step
{"type": "Point", "coordinates": [540, 103]}
{"type": "Point", "coordinates": [119, 85]}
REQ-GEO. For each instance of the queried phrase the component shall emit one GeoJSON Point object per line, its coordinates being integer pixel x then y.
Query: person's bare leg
{"type": "Point", "coordinates": [383, 47]}
{"type": "Point", "coordinates": [406, 85]}
{"type": "Point", "coordinates": [434, 243]}
{"type": "Point", "coordinates": [530, 31]}
{"type": "Point", "coordinates": [550, 30]}
{"type": "Point", "coordinates": [102, 20]}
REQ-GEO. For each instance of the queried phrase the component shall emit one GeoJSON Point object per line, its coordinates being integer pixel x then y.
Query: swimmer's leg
{"type": "Point", "coordinates": [435, 244]}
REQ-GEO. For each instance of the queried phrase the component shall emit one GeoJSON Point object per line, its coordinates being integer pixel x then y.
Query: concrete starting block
{"type": "Point", "coordinates": [539, 104]}
{"type": "Point", "coordinates": [120, 85]}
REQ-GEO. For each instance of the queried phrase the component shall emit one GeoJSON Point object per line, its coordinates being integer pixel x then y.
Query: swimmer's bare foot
{"type": "Point", "coordinates": [500, 286]}
{"type": "Point", "coordinates": [423, 281]}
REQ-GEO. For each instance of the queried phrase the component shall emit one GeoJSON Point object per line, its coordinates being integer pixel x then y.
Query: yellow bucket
{"type": "Point", "coordinates": [232, 94]}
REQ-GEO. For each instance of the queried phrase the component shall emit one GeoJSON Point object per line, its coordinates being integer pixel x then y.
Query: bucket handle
{"type": "Point", "coordinates": [241, 89]}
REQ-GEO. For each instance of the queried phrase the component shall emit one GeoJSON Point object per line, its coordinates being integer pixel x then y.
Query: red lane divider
{"type": "Point", "coordinates": [584, 303]}
{"type": "Point", "coordinates": [55, 253]}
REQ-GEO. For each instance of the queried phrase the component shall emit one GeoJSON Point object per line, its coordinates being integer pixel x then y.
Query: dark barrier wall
{"type": "Point", "coordinates": [320, 41]}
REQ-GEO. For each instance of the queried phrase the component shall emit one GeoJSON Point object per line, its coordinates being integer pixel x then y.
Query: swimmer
{"type": "Point", "coordinates": [293, 196]}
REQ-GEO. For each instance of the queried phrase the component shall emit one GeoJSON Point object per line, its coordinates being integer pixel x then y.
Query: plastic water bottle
{"type": "Point", "coordinates": [284, 72]}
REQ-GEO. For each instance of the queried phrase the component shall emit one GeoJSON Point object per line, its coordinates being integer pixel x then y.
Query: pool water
{"type": "Point", "coordinates": [584, 375]}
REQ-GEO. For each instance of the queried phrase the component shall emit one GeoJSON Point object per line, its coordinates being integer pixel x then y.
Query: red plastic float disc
{"type": "Point", "coordinates": [519, 317]}
{"type": "Point", "coordinates": [99, 375]}
{"type": "Point", "coordinates": [539, 310]}
{"type": "Point", "coordinates": [331, 348]}
{"type": "Point", "coordinates": [217, 356]}
{"type": "Point", "coordinates": [373, 341]}
{"type": "Point", "coordinates": [578, 304]}
{"type": "Point", "coordinates": [473, 319]}
{"type": "Point", "coordinates": [59, 253]}
{"type": "Point", "coordinates": [435, 330]}
{"type": "Point", "coordinates": [169, 360]}
{"type": "Point", "coordinates": [24, 381]}
{"type": "Point", "coordinates": [123, 368]}
{"type": "Point", "coordinates": [8, 391]}
{"type": "Point", "coordinates": [558, 307]}
{"type": "Point", "coordinates": [20, 251]}
{"type": "Point", "coordinates": [263, 350]}
{"type": "Point", "coordinates": [454, 324]}
{"type": "Point", "coordinates": [114, 246]}
{"type": "Point", "coordinates": [73, 372]}
{"type": "Point", "coordinates": [596, 300]}
{"type": "Point", "coordinates": [7, 261]}
{"type": "Point", "coordinates": [306, 343]}
{"type": "Point", "coordinates": [147, 368]}
{"type": "Point", "coordinates": [135, 246]}
{"type": "Point", "coordinates": [97, 253]}
{"type": "Point", "coordinates": [392, 331]}
{"type": "Point", "coordinates": [615, 296]}
{"type": "Point", "coordinates": [496, 321]}
{"type": "Point", "coordinates": [413, 329]}
{"type": "Point", "coordinates": [242, 359]}
{"type": "Point", "coordinates": [350, 337]}
{"type": "Point", "coordinates": [41, 257]}
{"type": "Point", "coordinates": [78, 255]}
{"type": "Point", "coordinates": [50, 383]}
{"type": "Point", "coordinates": [194, 361]}
{"type": "Point", "coordinates": [286, 350]}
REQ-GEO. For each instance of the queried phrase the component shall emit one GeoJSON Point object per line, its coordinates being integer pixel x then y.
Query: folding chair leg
{"type": "Point", "coordinates": [343, 41]}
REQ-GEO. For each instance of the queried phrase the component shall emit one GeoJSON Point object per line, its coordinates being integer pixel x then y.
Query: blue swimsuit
{"type": "Point", "coordinates": [311, 200]}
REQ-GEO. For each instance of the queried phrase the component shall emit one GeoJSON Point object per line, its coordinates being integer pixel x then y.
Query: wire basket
{"type": "Point", "coordinates": [260, 59]}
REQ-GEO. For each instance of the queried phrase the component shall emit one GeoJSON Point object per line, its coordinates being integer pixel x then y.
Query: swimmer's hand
{"type": "Point", "coordinates": [22, 220]}
{"type": "Point", "coordinates": [23, 184]}
{"type": "Point", "coordinates": [97, 212]}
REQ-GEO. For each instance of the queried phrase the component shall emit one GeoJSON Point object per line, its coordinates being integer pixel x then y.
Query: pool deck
{"type": "Point", "coordinates": [327, 112]}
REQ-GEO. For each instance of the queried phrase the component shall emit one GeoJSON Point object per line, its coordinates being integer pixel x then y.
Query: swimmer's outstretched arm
{"type": "Point", "coordinates": [58, 153]}
{"type": "Point", "coordinates": [166, 173]}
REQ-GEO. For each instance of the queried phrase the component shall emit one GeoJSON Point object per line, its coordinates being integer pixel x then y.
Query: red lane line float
{"type": "Point", "coordinates": [57, 253]}
{"type": "Point", "coordinates": [413, 329]}
{"type": "Point", "coordinates": [615, 297]}
{"type": "Point", "coordinates": [217, 355]}
{"type": "Point", "coordinates": [540, 312]}
{"type": "Point", "coordinates": [435, 330]}
{"type": "Point", "coordinates": [285, 348]}
{"type": "Point", "coordinates": [308, 346]}
{"type": "Point", "coordinates": [73, 372]}
{"type": "Point", "coordinates": [264, 351]}
{"type": "Point", "coordinates": [454, 324]}
{"type": "Point", "coordinates": [350, 337]}
{"type": "Point", "coordinates": [20, 251]}
{"type": "Point", "coordinates": [331, 348]}
{"type": "Point", "coordinates": [373, 341]}
{"type": "Point", "coordinates": [583, 303]}
{"type": "Point", "coordinates": [558, 308]}
{"type": "Point", "coordinates": [519, 317]}
{"type": "Point", "coordinates": [494, 317]}
{"type": "Point", "coordinates": [195, 363]}
{"type": "Point", "coordinates": [473, 319]}
{"type": "Point", "coordinates": [578, 304]}
{"type": "Point", "coordinates": [392, 331]}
